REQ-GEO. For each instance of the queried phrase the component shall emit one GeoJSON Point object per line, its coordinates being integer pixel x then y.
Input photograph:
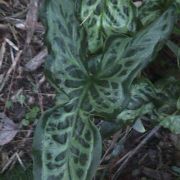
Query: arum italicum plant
{"type": "Point", "coordinates": [96, 50]}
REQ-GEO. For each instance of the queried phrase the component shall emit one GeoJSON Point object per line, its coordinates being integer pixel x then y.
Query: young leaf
{"type": "Point", "coordinates": [152, 9]}
{"type": "Point", "coordinates": [121, 62]}
{"type": "Point", "coordinates": [104, 18]}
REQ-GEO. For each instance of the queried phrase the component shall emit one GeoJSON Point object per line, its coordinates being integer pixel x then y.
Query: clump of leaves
{"type": "Point", "coordinates": [96, 50]}
{"type": "Point", "coordinates": [31, 115]}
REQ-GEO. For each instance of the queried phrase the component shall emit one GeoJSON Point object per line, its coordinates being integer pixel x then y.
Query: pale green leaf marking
{"type": "Point", "coordinates": [172, 122]}
{"type": "Point", "coordinates": [102, 19]}
{"type": "Point", "coordinates": [67, 145]}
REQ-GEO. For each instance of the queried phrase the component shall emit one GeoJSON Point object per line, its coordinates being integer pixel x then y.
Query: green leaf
{"type": "Point", "coordinates": [142, 92]}
{"type": "Point", "coordinates": [129, 116]}
{"type": "Point", "coordinates": [176, 169]}
{"type": "Point", "coordinates": [9, 104]}
{"type": "Point", "coordinates": [172, 122]}
{"type": "Point", "coordinates": [113, 73]}
{"type": "Point", "coordinates": [31, 115]}
{"type": "Point", "coordinates": [167, 95]}
{"type": "Point", "coordinates": [21, 99]}
{"type": "Point", "coordinates": [108, 75]}
{"type": "Point", "coordinates": [104, 18]}
{"type": "Point", "coordinates": [66, 146]}
{"type": "Point", "coordinates": [64, 37]}
{"type": "Point", "coordinates": [152, 9]}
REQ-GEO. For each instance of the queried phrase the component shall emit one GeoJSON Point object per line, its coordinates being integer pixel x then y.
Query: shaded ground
{"type": "Point", "coordinates": [25, 94]}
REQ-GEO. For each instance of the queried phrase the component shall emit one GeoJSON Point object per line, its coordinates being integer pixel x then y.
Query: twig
{"type": "Point", "coordinates": [133, 152]}
{"type": "Point", "coordinates": [37, 61]}
{"type": "Point", "coordinates": [40, 97]}
{"type": "Point", "coordinates": [20, 161]}
{"type": "Point", "coordinates": [2, 52]}
{"type": "Point", "coordinates": [8, 163]}
{"type": "Point", "coordinates": [13, 66]}
{"type": "Point", "coordinates": [13, 159]}
{"type": "Point", "coordinates": [115, 138]}
{"type": "Point", "coordinates": [11, 44]}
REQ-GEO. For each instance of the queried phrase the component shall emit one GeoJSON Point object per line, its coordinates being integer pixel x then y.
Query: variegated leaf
{"type": "Point", "coordinates": [65, 39]}
{"type": "Point", "coordinates": [67, 146]}
{"type": "Point", "coordinates": [172, 122]}
{"type": "Point", "coordinates": [158, 101]}
{"type": "Point", "coordinates": [152, 9]}
{"type": "Point", "coordinates": [107, 77]}
{"type": "Point", "coordinates": [104, 18]}
{"type": "Point", "coordinates": [143, 94]}
{"type": "Point", "coordinates": [121, 62]}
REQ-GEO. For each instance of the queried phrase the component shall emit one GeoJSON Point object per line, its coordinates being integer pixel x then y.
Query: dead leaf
{"type": "Point", "coordinates": [4, 2]}
{"type": "Point", "coordinates": [8, 129]}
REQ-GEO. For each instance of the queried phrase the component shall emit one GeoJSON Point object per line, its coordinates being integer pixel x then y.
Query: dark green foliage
{"type": "Point", "coordinates": [95, 53]}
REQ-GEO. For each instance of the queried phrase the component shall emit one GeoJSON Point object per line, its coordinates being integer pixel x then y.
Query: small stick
{"type": "Point", "coordinates": [13, 66]}
{"type": "Point", "coordinates": [37, 61]}
{"type": "Point", "coordinates": [13, 159]}
{"type": "Point", "coordinates": [115, 138]}
{"type": "Point", "coordinates": [40, 97]}
{"type": "Point", "coordinates": [132, 153]}
{"type": "Point", "coordinates": [20, 161]}
{"type": "Point", "coordinates": [2, 52]}
{"type": "Point", "coordinates": [8, 163]}
{"type": "Point", "coordinates": [11, 44]}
